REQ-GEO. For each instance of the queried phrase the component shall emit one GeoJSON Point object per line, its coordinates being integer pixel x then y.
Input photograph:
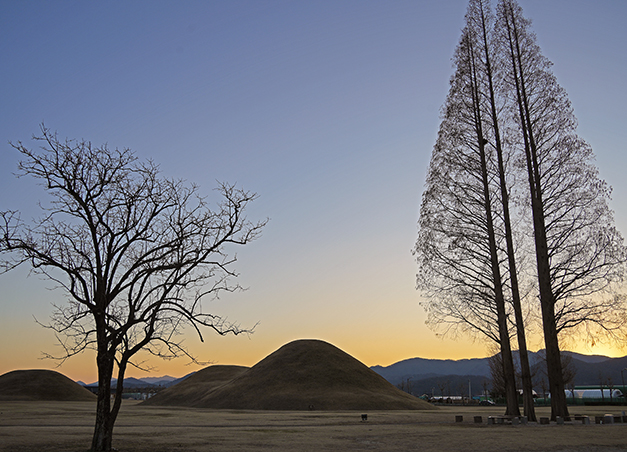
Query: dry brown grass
{"type": "Point", "coordinates": [67, 426]}
{"type": "Point", "coordinates": [188, 391]}
{"type": "Point", "coordinates": [41, 384]}
{"type": "Point", "coordinates": [300, 375]}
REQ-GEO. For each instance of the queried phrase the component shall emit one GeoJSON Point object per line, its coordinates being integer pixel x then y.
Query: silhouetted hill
{"type": "Point", "coordinates": [426, 374]}
{"type": "Point", "coordinates": [590, 359]}
{"type": "Point", "coordinates": [146, 382]}
{"type": "Point", "coordinates": [159, 381]}
{"type": "Point", "coordinates": [198, 384]}
{"type": "Point", "coordinates": [41, 385]}
{"type": "Point", "coordinates": [419, 368]}
{"type": "Point", "coordinates": [592, 373]}
{"type": "Point", "coordinates": [304, 375]}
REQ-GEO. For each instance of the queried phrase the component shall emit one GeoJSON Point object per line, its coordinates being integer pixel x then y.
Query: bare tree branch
{"type": "Point", "coordinates": [136, 253]}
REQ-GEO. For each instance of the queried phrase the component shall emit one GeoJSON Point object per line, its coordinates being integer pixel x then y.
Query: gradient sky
{"type": "Point", "coordinates": [327, 109]}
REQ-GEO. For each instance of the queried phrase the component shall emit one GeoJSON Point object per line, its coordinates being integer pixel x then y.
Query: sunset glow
{"type": "Point", "coordinates": [328, 110]}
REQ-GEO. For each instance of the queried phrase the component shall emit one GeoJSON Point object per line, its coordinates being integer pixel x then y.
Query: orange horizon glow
{"type": "Point", "coordinates": [328, 110]}
{"type": "Point", "coordinates": [250, 352]}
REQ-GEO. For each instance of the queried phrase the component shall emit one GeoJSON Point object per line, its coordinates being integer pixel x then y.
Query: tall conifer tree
{"type": "Point", "coordinates": [505, 105]}
{"type": "Point", "coordinates": [481, 21]}
{"type": "Point", "coordinates": [579, 253]}
{"type": "Point", "coordinates": [460, 245]}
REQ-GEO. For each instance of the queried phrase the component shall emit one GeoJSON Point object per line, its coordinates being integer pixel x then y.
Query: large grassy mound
{"type": "Point", "coordinates": [41, 385]}
{"type": "Point", "coordinates": [200, 383]}
{"type": "Point", "coordinates": [307, 375]}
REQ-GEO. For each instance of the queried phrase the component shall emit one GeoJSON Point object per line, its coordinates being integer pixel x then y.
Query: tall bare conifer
{"type": "Point", "coordinates": [460, 242]}
{"type": "Point", "coordinates": [481, 20]}
{"type": "Point", "coordinates": [579, 254]}
{"type": "Point", "coordinates": [505, 106]}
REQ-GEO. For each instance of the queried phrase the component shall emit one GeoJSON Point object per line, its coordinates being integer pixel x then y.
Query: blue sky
{"type": "Point", "coordinates": [327, 109]}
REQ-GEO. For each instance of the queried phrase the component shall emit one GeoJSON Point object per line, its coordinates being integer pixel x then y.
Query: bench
{"type": "Point", "coordinates": [513, 420]}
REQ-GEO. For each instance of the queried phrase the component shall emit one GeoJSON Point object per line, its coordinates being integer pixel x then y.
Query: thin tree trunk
{"type": "Point", "coordinates": [499, 299]}
{"type": "Point", "coordinates": [559, 405]}
{"type": "Point", "coordinates": [103, 431]}
{"type": "Point", "coordinates": [554, 366]}
{"type": "Point", "coordinates": [527, 386]}
{"type": "Point", "coordinates": [106, 414]}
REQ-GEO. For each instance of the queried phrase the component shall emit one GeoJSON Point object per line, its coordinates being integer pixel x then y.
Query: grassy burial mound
{"type": "Point", "coordinates": [41, 385]}
{"type": "Point", "coordinates": [308, 375]}
{"type": "Point", "coordinates": [202, 382]}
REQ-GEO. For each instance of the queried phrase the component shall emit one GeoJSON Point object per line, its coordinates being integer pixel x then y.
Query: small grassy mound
{"type": "Point", "coordinates": [196, 385]}
{"type": "Point", "coordinates": [41, 385]}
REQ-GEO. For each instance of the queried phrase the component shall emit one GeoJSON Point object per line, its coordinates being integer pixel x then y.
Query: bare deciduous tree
{"type": "Point", "coordinates": [480, 23]}
{"type": "Point", "coordinates": [579, 254]}
{"type": "Point", "coordinates": [506, 120]}
{"type": "Point", "coordinates": [461, 241]}
{"type": "Point", "coordinates": [136, 254]}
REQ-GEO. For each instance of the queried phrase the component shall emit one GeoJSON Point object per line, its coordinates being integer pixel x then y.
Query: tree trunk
{"type": "Point", "coordinates": [551, 342]}
{"type": "Point", "coordinates": [547, 301]}
{"type": "Point", "coordinates": [103, 435]}
{"type": "Point", "coordinates": [553, 358]}
{"type": "Point", "coordinates": [527, 386]}
{"type": "Point", "coordinates": [103, 431]}
{"type": "Point", "coordinates": [509, 375]}
{"type": "Point", "coordinates": [511, 396]}
{"type": "Point", "coordinates": [554, 370]}
{"type": "Point", "coordinates": [499, 299]}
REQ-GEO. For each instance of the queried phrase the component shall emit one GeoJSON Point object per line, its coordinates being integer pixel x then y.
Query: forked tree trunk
{"type": "Point", "coordinates": [103, 431]}
{"type": "Point", "coordinates": [103, 434]}
{"type": "Point", "coordinates": [107, 413]}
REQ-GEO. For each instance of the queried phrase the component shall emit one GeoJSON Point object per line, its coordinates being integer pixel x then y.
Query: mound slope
{"type": "Point", "coordinates": [198, 384]}
{"type": "Point", "coordinates": [41, 385]}
{"type": "Point", "coordinates": [305, 375]}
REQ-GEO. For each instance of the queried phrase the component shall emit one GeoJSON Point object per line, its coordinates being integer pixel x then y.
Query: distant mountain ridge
{"type": "Point", "coordinates": [426, 374]}
{"type": "Point", "coordinates": [146, 382]}
{"type": "Point", "coordinates": [433, 367]}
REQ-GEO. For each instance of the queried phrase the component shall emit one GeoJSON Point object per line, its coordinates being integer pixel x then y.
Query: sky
{"type": "Point", "coordinates": [328, 110]}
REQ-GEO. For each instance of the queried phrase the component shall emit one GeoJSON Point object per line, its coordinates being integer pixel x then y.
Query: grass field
{"type": "Point", "coordinates": [67, 426]}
